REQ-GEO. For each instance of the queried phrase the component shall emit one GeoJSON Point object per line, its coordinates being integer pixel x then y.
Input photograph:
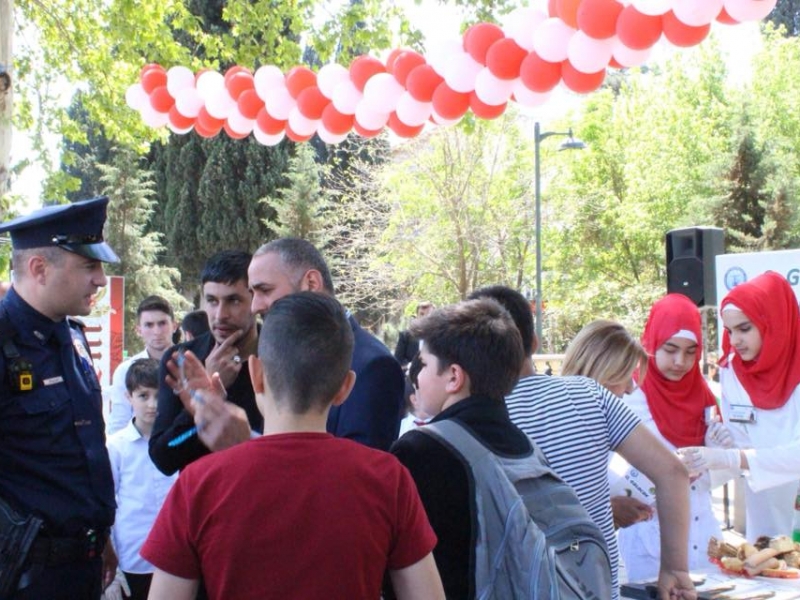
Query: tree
{"type": "Point", "coordinates": [787, 14]}
{"type": "Point", "coordinates": [130, 193]}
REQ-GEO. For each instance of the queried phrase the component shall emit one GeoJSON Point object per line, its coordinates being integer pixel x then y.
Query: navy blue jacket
{"type": "Point", "coordinates": [53, 457]}
{"type": "Point", "coordinates": [372, 412]}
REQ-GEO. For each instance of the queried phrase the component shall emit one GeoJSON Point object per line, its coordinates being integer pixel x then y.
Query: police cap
{"type": "Point", "coordinates": [76, 227]}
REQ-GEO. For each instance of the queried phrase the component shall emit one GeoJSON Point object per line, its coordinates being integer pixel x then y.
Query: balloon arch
{"type": "Point", "coordinates": [573, 44]}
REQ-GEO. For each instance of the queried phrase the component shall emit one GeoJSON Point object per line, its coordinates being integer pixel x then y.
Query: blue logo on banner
{"type": "Point", "coordinates": [734, 276]}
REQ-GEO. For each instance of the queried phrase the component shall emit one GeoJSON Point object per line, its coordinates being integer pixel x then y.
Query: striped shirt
{"type": "Point", "coordinates": [576, 422]}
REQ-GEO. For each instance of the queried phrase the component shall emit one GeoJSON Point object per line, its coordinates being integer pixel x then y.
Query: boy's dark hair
{"type": "Point", "coordinates": [414, 367]}
{"type": "Point", "coordinates": [154, 303]}
{"type": "Point", "coordinates": [227, 266]}
{"type": "Point", "coordinates": [143, 372]}
{"type": "Point", "coordinates": [480, 337]}
{"type": "Point", "coordinates": [518, 307]}
{"type": "Point", "coordinates": [196, 322]}
{"type": "Point", "coordinates": [299, 255]}
{"type": "Point", "coordinates": [306, 346]}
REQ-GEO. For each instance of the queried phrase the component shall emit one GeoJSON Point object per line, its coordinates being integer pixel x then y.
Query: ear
{"type": "Point", "coordinates": [138, 329]}
{"type": "Point", "coordinates": [457, 381]}
{"type": "Point", "coordinates": [258, 378]}
{"type": "Point", "coordinates": [37, 268]}
{"type": "Point", "coordinates": [345, 389]}
{"type": "Point", "coordinates": [312, 281]}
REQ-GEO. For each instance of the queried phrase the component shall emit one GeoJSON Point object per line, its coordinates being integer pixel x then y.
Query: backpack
{"type": "Point", "coordinates": [535, 540]}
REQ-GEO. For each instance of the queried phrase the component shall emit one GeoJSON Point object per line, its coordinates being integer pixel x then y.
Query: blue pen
{"type": "Point", "coordinates": [181, 438]}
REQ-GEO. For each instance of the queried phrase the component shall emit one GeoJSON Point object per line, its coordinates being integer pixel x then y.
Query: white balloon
{"type": "Point", "coordinates": [461, 71]}
{"type": "Point", "coordinates": [153, 118]}
{"type": "Point", "coordinates": [551, 39]}
{"type": "Point", "coordinates": [179, 78]}
{"type": "Point", "coordinates": [279, 102]}
{"type": "Point", "coordinates": [221, 105]}
{"type": "Point", "coordinates": [266, 139]}
{"type": "Point", "coordinates": [696, 14]}
{"type": "Point", "coordinates": [520, 24]}
{"type": "Point", "coordinates": [628, 57]}
{"type": "Point", "coordinates": [266, 78]}
{"type": "Point", "coordinates": [178, 130]}
{"type": "Point", "coordinates": [528, 98]}
{"type": "Point", "coordinates": [136, 97]}
{"type": "Point", "coordinates": [440, 120]}
{"type": "Point", "coordinates": [413, 112]}
{"type": "Point", "coordinates": [328, 137]}
{"type": "Point", "coordinates": [346, 97]}
{"type": "Point", "coordinates": [329, 77]}
{"type": "Point", "coordinates": [188, 102]}
{"type": "Point", "coordinates": [442, 53]}
{"type": "Point", "coordinates": [382, 92]}
{"type": "Point", "coordinates": [240, 124]}
{"type": "Point", "coordinates": [491, 90]}
{"type": "Point", "coordinates": [209, 84]}
{"type": "Point", "coordinates": [654, 8]}
{"type": "Point", "coordinates": [587, 54]}
{"type": "Point", "coordinates": [749, 10]}
{"type": "Point", "coordinates": [370, 119]}
{"type": "Point", "coordinates": [301, 124]}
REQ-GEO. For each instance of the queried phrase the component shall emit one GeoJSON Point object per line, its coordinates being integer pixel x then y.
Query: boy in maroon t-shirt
{"type": "Point", "coordinates": [296, 513]}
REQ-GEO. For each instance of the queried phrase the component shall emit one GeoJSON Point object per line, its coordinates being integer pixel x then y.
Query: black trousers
{"type": "Point", "coordinates": [139, 584]}
{"type": "Point", "coordinates": [74, 581]}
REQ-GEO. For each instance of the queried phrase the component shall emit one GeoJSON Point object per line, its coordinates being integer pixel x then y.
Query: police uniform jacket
{"type": "Point", "coordinates": [53, 458]}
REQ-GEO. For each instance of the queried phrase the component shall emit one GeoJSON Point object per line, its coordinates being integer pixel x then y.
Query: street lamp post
{"type": "Point", "coordinates": [570, 144]}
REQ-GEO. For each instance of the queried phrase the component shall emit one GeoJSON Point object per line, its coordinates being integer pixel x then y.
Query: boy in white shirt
{"type": "Point", "coordinates": [140, 488]}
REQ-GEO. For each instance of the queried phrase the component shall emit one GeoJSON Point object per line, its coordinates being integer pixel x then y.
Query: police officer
{"type": "Point", "coordinates": [53, 459]}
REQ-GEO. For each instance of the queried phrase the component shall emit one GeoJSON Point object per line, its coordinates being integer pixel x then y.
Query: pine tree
{"type": "Point", "coordinates": [787, 13]}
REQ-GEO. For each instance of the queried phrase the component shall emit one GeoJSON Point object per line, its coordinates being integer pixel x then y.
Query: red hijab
{"type": "Point", "coordinates": [770, 304]}
{"type": "Point", "coordinates": [678, 407]}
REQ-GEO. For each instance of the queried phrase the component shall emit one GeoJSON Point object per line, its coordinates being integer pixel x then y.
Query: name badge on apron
{"type": "Point", "coordinates": [742, 413]}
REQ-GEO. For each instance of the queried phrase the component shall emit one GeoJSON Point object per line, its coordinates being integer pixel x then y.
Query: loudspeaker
{"type": "Point", "coordinates": [691, 254]}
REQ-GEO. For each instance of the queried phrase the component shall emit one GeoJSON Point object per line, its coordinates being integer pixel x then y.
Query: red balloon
{"type": "Point", "coordinates": [682, 35]}
{"type": "Point", "coordinates": [724, 18]}
{"type": "Point", "coordinates": [479, 38]}
{"type": "Point", "coordinates": [178, 121]}
{"type": "Point", "coordinates": [204, 132]}
{"type": "Point", "coordinates": [298, 79]}
{"type": "Point", "coordinates": [233, 134]}
{"type": "Point", "coordinates": [636, 30]}
{"type": "Point", "coordinates": [403, 130]}
{"type": "Point", "coordinates": [598, 18]}
{"type": "Point", "coordinates": [249, 104]}
{"type": "Point", "coordinates": [614, 64]}
{"type": "Point", "coordinates": [392, 58]}
{"type": "Point", "coordinates": [539, 75]}
{"type": "Point", "coordinates": [581, 83]}
{"type": "Point", "coordinates": [207, 122]}
{"type": "Point", "coordinates": [336, 122]}
{"type": "Point", "coordinates": [149, 66]}
{"type": "Point", "coordinates": [235, 70]}
{"type": "Point", "coordinates": [161, 100]}
{"type": "Point", "coordinates": [153, 78]}
{"type": "Point", "coordinates": [552, 8]}
{"type": "Point", "coordinates": [364, 67]}
{"type": "Point", "coordinates": [238, 83]}
{"type": "Point", "coordinates": [421, 83]}
{"type": "Point", "coordinates": [404, 64]}
{"type": "Point", "coordinates": [296, 137]}
{"type": "Point", "coordinates": [485, 111]}
{"type": "Point", "coordinates": [448, 103]}
{"type": "Point", "coordinates": [365, 133]}
{"type": "Point", "coordinates": [311, 102]}
{"type": "Point", "coordinates": [269, 124]}
{"type": "Point", "coordinates": [504, 59]}
{"type": "Point", "coordinates": [568, 11]}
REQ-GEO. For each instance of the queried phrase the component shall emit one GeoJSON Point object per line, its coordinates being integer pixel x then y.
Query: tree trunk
{"type": "Point", "coordinates": [6, 104]}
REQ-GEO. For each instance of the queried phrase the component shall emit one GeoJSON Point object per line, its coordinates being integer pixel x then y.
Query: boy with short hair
{"type": "Point", "coordinates": [140, 488]}
{"type": "Point", "coordinates": [471, 354]}
{"type": "Point", "coordinates": [296, 513]}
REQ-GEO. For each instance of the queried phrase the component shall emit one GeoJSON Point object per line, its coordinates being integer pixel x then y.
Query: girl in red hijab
{"type": "Point", "coordinates": [760, 404]}
{"type": "Point", "coordinates": [672, 401]}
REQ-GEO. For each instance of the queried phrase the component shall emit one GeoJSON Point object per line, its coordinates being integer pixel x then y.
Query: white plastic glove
{"type": "Point", "coordinates": [718, 436]}
{"type": "Point", "coordinates": [115, 589]}
{"type": "Point", "coordinates": [698, 458]}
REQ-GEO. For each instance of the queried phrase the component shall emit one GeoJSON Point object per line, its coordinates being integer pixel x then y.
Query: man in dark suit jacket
{"type": "Point", "coordinates": [407, 345]}
{"type": "Point", "coordinates": [372, 412]}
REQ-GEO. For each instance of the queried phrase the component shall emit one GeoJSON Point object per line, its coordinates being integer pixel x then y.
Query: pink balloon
{"type": "Point", "coordinates": [653, 8]}
{"type": "Point", "coordinates": [279, 103]}
{"type": "Point", "coordinates": [188, 102]}
{"type": "Point", "coordinates": [209, 84]}
{"type": "Point", "coordinates": [587, 54]}
{"type": "Point", "coordinates": [220, 105]}
{"type": "Point", "coordinates": [370, 119]}
{"type": "Point", "coordinates": [628, 57]}
{"type": "Point", "coordinates": [300, 124]}
{"type": "Point", "coordinates": [382, 92]}
{"type": "Point", "coordinates": [329, 77]}
{"type": "Point", "coordinates": [136, 97]}
{"type": "Point", "coordinates": [461, 71]}
{"type": "Point", "coordinates": [328, 137]}
{"type": "Point", "coordinates": [551, 40]}
{"type": "Point", "coordinates": [179, 78]}
{"type": "Point", "coordinates": [266, 139]}
{"type": "Point", "coordinates": [442, 52]}
{"type": "Point", "coordinates": [520, 24]}
{"type": "Point", "coordinates": [527, 98]}
{"type": "Point", "coordinates": [749, 10]}
{"type": "Point", "coordinates": [267, 78]}
{"type": "Point", "coordinates": [440, 120]}
{"type": "Point", "coordinates": [412, 112]}
{"type": "Point", "coordinates": [696, 14]}
{"type": "Point", "coordinates": [346, 97]}
{"type": "Point", "coordinates": [240, 124]}
{"type": "Point", "coordinates": [492, 90]}
{"type": "Point", "coordinates": [153, 118]}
